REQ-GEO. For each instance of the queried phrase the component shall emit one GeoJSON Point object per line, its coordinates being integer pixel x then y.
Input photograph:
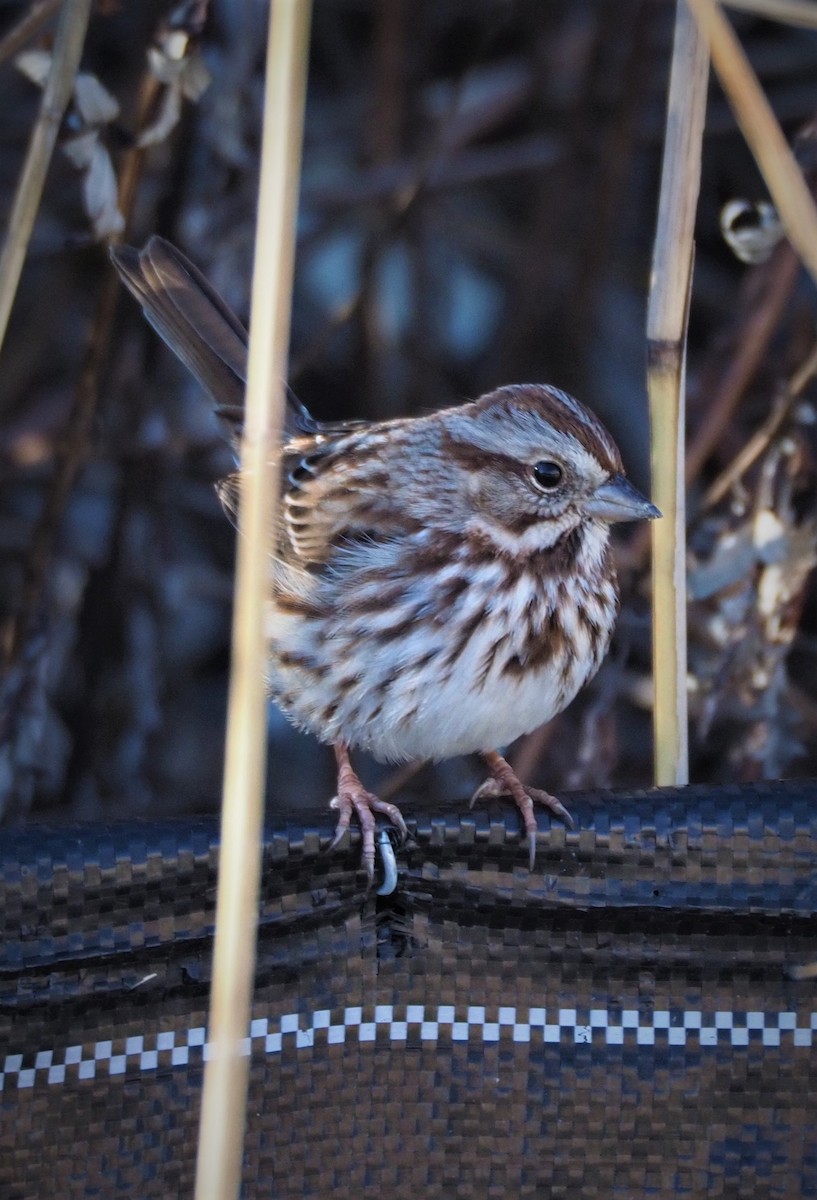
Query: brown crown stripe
{"type": "Point", "coordinates": [547, 403]}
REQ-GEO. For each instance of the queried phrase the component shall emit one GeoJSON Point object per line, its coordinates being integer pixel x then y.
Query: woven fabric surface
{"type": "Point", "coordinates": [638, 1017]}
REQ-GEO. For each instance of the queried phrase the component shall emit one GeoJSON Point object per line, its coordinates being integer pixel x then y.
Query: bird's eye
{"type": "Point", "coordinates": [548, 475]}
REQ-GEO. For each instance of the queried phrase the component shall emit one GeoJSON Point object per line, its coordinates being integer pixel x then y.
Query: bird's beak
{"type": "Point", "coordinates": [618, 500]}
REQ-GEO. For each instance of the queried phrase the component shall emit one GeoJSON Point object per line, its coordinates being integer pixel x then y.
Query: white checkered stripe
{"type": "Point", "coordinates": [600, 1026]}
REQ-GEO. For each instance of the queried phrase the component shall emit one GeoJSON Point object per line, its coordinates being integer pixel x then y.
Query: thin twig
{"type": "Point", "coordinates": [30, 24]}
{"type": "Point", "coordinates": [68, 45]}
{"type": "Point", "coordinates": [666, 350]}
{"type": "Point", "coordinates": [75, 442]}
{"type": "Point", "coordinates": [224, 1100]}
{"type": "Point", "coordinates": [771, 286]}
{"type": "Point", "coordinates": [792, 12]}
{"type": "Point", "coordinates": [391, 183]}
{"type": "Point", "coordinates": [762, 437]}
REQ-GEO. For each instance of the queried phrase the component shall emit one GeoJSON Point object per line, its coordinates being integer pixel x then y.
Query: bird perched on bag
{"type": "Point", "coordinates": [442, 584]}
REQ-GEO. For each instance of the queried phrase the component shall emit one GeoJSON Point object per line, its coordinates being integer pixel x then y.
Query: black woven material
{"type": "Point", "coordinates": [638, 1017]}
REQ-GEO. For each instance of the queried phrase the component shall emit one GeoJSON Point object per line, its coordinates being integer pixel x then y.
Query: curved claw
{"type": "Point", "coordinates": [389, 862]}
{"type": "Point", "coordinates": [503, 781]}
{"type": "Point", "coordinates": [556, 807]}
{"type": "Point", "coordinates": [352, 798]}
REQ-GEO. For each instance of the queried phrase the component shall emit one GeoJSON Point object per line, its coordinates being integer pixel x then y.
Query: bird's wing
{"type": "Point", "coordinates": [337, 492]}
{"type": "Point", "coordinates": [327, 499]}
{"type": "Point", "coordinates": [333, 491]}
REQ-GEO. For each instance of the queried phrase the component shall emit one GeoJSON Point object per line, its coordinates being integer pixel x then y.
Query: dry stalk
{"type": "Point", "coordinates": [666, 339]}
{"type": "Point", "coordinates": [792, 12]}
{"type": "Point", "coordinates": [762, 438]}
{"type": "Point", "coordinates": [763, 296]}
{"type": "Point", "coordinates": [781, 173]}
{"type": "Point", "coordinates": [224, 1100]}
{"type": "Point", "coordinates": [30, 24]}
{"type": "Point", "coordinates": [70, 39]}
{"type": "Point", "coordinates": [771, 290]}
{"type": "Point", "coordinates": [74, 444]}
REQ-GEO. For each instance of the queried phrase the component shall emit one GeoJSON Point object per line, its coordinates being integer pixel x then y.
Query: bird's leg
{"type": "Point", "coordinates": [352, 797]}
{"type": "Point", "coordinates": [503, 781]}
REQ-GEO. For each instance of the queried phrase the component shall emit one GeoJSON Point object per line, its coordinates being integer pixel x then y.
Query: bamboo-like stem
{"type": "Point", "coordinates": [762, 131]}
{"type": "Point", "coordinates": [224, 1101]}
{"type": "Point", "coordinates": [68, 43]}
{"type": "Point", "coordinates": [792, 12]}
{"type": "Point", "coordinates": [666, 339]}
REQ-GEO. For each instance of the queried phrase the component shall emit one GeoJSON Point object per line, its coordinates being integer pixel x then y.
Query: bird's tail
{"type": "Point", "coordinates": [188, 313]}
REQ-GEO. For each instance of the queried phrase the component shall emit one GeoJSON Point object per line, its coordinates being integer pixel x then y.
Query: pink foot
{"type": "Point", "coordinates": [352, 798]}
{"type": "Point", "coordinates": [503, 781]}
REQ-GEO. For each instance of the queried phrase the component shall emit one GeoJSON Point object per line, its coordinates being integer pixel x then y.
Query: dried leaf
{"type": "Point", "coordinates": [80, 149]}
{"type": "Point", "coordinates": [187, 72]}
{"type": "Point", "coordinates": [769, 536]}
{"type": "Point", "coordinates": [94, 102]}
{"type": "Point", "coordinates": [747, 599]}
{"type": "Point", "coordinates": [732, 560]}
{"type": "Point", "coordinates": [35, 65]}
{"type": "Point", "coordinates": [166, 121]}
{"type": "Point", "coordinates": [175, 44]}
{"type": "Point", "coordinates": [751, 229]}
{"type": "Point", "coordinates": [166, 69]}
{"type": "Point", "coordinates": [100, 194]}
{"type": "Point", "coordinates": [196, 77]}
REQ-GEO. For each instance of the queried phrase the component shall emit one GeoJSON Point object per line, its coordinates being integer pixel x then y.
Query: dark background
{"type": "Point", "coordinates": [480, 186]}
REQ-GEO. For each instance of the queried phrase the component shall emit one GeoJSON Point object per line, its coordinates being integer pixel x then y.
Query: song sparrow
{"type": "Point", "coordinates": [443, 583]}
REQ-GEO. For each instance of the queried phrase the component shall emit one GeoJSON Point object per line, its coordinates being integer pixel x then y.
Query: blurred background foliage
{"type": "Point", "coordinates": [478, 207]}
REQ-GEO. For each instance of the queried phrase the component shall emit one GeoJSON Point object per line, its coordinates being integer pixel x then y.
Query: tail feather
{"type": "Point", "coordinates": [188, 314]}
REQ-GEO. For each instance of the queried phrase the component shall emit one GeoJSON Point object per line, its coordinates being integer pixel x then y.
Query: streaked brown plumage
{"type": "Point", "coordinates": [442, 583]}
